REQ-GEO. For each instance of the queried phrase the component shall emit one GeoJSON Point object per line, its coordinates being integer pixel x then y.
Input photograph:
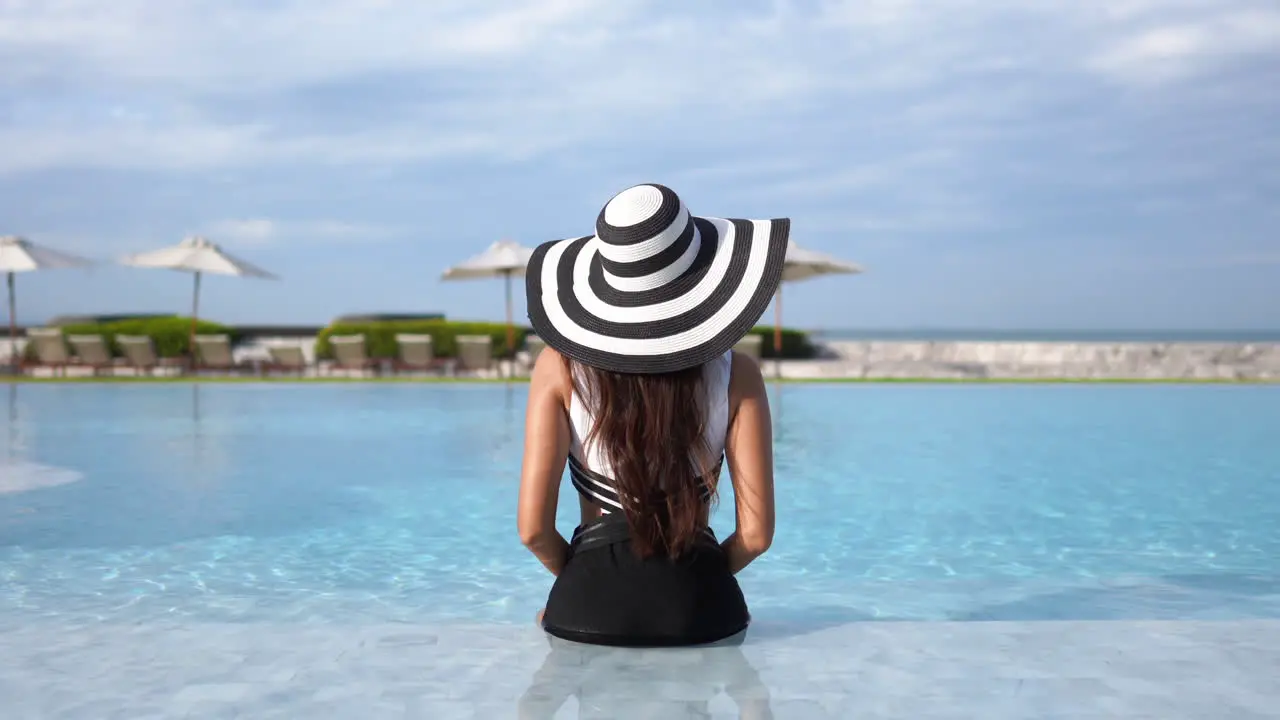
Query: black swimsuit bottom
{"type": "Point", "coordinates": [607, 595]}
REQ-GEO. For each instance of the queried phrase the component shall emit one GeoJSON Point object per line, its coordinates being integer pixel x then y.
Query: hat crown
{"type": "Point", "coordinates": [638, 214]}
{"type": "Point", "coordinates": [646, 238]}
{"type": "Point", "coordinates": [632, 207]}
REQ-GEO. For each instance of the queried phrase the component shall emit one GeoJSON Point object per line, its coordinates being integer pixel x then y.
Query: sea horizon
{"type": "Point", "coordinates": [1049, 335]}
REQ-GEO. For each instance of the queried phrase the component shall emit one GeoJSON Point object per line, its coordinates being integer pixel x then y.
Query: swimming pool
{"type": "Point", "coordinates": [369, 505]}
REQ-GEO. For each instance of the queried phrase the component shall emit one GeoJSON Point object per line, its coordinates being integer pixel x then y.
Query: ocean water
{"type": "Point", "coordinates": [169, 528]}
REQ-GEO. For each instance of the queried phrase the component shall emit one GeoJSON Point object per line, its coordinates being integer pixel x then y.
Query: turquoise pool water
{"type": "Point", "coordinates": [372, 503]}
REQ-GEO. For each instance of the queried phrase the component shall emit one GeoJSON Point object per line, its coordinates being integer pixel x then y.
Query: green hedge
{"type": "Point", "coordinates": [171, 335]}
{"type": "Point", "coordinates": [795, 343]}
{"type": "Point", "coordinates": [380, 337]}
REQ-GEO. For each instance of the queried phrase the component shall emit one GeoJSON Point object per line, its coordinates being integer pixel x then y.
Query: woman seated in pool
{"type": "Point", "coordinates": [640, 392]}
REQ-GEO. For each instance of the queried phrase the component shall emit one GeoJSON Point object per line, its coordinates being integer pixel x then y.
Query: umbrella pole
{"type": "Point", "coordinates": [511, 328]}
{"type": "Point", "coordinates": [13, 325]}
{"type": "Point", "coordinates": [195, 313]}
{"type": "Point", "coordinates": [777, 333]}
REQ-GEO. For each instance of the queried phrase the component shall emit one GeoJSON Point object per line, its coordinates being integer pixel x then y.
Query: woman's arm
{"type": "Point", "coordinates": [749, 451]}
{"type": "Point", "coordinates": [546, 447]}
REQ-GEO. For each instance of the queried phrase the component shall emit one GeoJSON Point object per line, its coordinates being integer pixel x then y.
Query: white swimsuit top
{"type": "Point", "coordinates": [590, 470]}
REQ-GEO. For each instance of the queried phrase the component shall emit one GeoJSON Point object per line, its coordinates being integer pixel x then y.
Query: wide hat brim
{"type": "Point", "coordinates": [682, 324]}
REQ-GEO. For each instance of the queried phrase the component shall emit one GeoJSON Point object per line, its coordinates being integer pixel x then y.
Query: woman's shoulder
{"type": "Point", "coordinates": [551, 374]}
{"type": "Point", "coordinates": [745, 378]}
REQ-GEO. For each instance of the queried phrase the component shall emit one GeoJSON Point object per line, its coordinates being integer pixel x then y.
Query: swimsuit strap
{"type": "Point", "coordinates": [612, 529]}
{"type": "Point", "coordinates": [599, 490]}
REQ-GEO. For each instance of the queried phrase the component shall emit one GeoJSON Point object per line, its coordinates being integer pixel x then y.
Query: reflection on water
{"type": "Point", "coordinates": [206, 462]}
{"type": "Point", "coordinates": [512, 420]}
{"type": "Point", "coordinates": [191, 452]}
{"type": "Point", "coordinates": [17, 473]}
{"type": "Point", "coordinates": [775, 411]}
{"type": "Point", "coordinates": [659, 683]}
{"type": "Point", "coordinates": [19, 477]}
{"type": "Point", "coordinates": [13, 441]}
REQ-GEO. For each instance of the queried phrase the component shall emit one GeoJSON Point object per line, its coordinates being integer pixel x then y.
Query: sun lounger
{"type": "Point", "coordinates": [92, 352]}
{"type": "Point", "coordinates": [287, 358]}
{"type": "Point", "coordinates": [213, 352]}
{"type": "Point", "coordinates": [140, 354]}
{"type": "Point", "coordinates": [415, 353]}
{"type": "Point", "coordinates": [349, 353]}
{"type": "Point", "coordinates": [475, 353]}
{"type": "Point", "coordinates": [50, 349]}
{"type": "Point", "coordinates": [534, 346]}
{"type": "Point", "coordinates": [751, 346]}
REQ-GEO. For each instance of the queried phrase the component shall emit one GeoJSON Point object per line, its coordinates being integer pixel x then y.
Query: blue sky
{"type": "Point", "coordinates": [1048, 164]}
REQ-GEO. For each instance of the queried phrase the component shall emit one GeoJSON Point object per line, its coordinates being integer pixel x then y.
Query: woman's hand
{"type": "Point", "coordinates": [550, 548]}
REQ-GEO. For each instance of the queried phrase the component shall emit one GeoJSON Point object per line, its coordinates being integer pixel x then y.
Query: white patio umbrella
{"type": "Point", "coordinates": [802, 264]}
{"type": "Point", "coordinates": [504, 259]}
{"type": "Point", "coordinates": [21, 255]}
{"type": "Point", "coordinates": [197, 255]}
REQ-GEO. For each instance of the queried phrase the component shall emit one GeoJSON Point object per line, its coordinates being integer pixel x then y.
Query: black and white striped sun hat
{"type": "Point", "coordinates": [656, 289]}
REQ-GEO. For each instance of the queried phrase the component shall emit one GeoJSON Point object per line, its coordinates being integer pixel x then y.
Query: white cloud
{"type": "Point", "coordinates": [274, 45]}
{"type": "Point", "coordinates": [263, 231]}
{"type": "Point", "coordinates": [1171, 52]}
{"type": "Point", "coordinates": [1195, 262]}
{"type": "Point", "coordinates": [178, 146]}
{"type": "Point", "coordinates": [181, 85]}
{"type": "Point", "coordinates": [251, 231]}
{"type": "Point", "coordinates": [1245, 260]}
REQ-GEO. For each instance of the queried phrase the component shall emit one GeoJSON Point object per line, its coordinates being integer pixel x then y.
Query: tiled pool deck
{"type": "Point", "coordinates": [1211, 670]}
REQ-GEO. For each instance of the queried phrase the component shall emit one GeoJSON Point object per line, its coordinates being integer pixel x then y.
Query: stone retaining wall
{"type": "Point", "coordinates": [1048, 360]}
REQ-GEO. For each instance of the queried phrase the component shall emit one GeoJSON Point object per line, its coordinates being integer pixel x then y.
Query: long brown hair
{"type": "Point", "coordinates": [652, 431]}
